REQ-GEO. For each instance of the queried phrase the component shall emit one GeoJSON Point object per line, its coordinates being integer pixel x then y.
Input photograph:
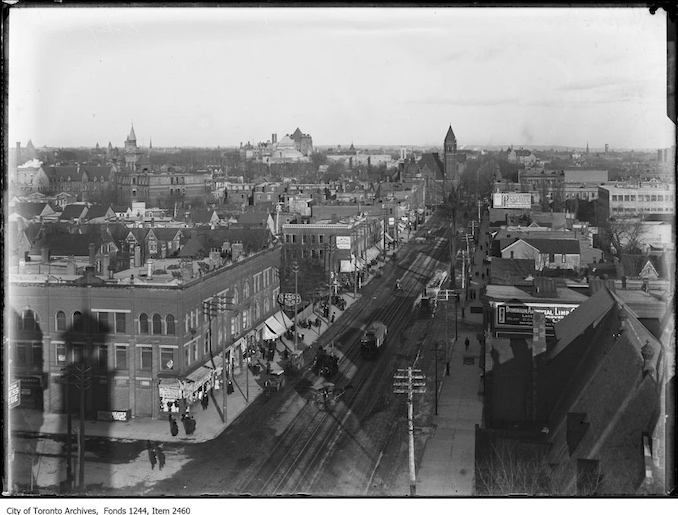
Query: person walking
{"type": "Point", "coordinates": [205, 400]}
{"type": "Point", "coordinates": [161, 456]}
{"type": "Point", "coordinates": [467, 343]}
{"type": "Point", "coordinates": [151, 454]}
{"type": "Point", "coordinates": [174, 427]}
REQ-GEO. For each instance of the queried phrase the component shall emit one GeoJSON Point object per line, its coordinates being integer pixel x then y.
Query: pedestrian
{"type": "Point", "coordinates": [332, 318]}
{"type": "Point", "coordinates": [186, 423]}
{"type": "Point", "coordinates": [151, 454]}
{"type": "Point", "coordinates": [174, 427]}
{"type": "Point", "coordinates": [467, 343]}
{"type": "Point", "coordinates": [161, 457]}
{"type": "Point", "coordinates": [192, 424]}
{"type": "Point", "coordinates": [205, 401]}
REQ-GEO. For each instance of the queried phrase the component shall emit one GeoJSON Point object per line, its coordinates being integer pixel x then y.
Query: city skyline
{"type": "Point", "coordinates": [391, 76]}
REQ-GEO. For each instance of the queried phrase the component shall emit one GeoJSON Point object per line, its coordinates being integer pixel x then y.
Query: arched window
{"type": "Point", "coordinates": [246, 289]}
{"type": "Point", "coordinates": [157, 324]}
{"type": "Point", "coordinates": [236, 298]}
{"type": "Point", "coordinates": [143, 323]}
{"type": "Point", "coordinates": [60, 321]}
{"type": "Point", "coordinates": [267, 305]}
{"type": "Point", "coordinates": [257, 310]}
{"type": "Point", "coordinates": [26, 321]}
{"type": "Point", "coordinates": [169, 322]}
{"type": "Point", "coordinates": [78, 322]}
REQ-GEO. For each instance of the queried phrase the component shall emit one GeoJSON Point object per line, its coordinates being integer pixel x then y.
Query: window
{"type": "Point", "coordinates": [77, 321]}
{"type": "Point", "coordinates": [157, 324]}
{"type": "Point", "coordinates": [653, 198]}
{"type": "Point", "coordinates": [246, 290]}
{"type": "Point", "coordinates": [267, 305]}
{"type": "Point", "coordinates": [102, 317]}
{"type": "Point", "coordinates": [257, 310]}
{"type": "Point", "coordinates": [21, 354]}
{"type": "Point", "coordinates": [236, 298]}
{"type": "Point", "coordinates": [120, 324]}
{"type": "Point", "coordinates": [169, 322]}
{"type": "Point", "coordinates": [26, 321]}
{"type": "Point", "coordinates": [632, 198]}
{"type": "Point", "coordinates": [143, 323]}
{"type": "Point", "coordinates": [146, 358]}
{"type": "Point", "coordinates": [194, 346]}
{"type": "Point", "coordinates": [60, 321]}
{"type": "Point", "coordinates": [660, 198]}
{"type": "Point", "coordinates": [246, 318]}
{"type": "Point", "coordinates": [36, 353]}
{"type": "Point", "coordinates": [166, 358]}
{"type": "Point", "coordinates": [101, 356]}
{"type": "Point", "coordinates": [647, 198]}
{"type": "Point", "coordinates": [187, 354]}
{"type": "Point", "coordinates": [121, 357]}
{"type": "Point", "coordinates": [626, 198]}
{"type": "Point", "coordinates": [257, 283]}
{"type": "Point", "coordinates": [614, 197]}
{"type": "Point", "coordinates": [78, 353]}
{"type": "Point", "coordinates": [60, 349]}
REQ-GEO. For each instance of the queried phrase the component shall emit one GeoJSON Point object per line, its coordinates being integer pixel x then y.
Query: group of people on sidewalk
{"type": "Point", "coordinates": [188, 422]}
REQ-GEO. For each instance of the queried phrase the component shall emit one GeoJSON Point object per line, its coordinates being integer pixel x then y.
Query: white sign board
{"type": "Point", "coordinates": [344, 242]}
{"type": "Point", "coordinates": [512, 200]}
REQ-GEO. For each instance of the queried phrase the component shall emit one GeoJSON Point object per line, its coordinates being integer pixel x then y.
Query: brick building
{"type": "Point", "coordinates": [147, 339]}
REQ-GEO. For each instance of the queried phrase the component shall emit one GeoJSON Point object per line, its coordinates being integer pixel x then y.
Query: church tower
{"type": "Point", "coordinates": [450, 154]}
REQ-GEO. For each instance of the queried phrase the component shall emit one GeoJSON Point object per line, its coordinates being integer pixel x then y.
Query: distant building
{"type": "Point", "coordinates": [623, 199]}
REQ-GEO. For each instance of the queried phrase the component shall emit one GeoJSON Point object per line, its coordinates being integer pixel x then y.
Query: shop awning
{"type": "Point", "coordinates": [372, 253]}
{"type": "Point", "coordinates": [276, 325]}
{"type": "Point", "coordinates": [350, 265]}
{"type": "Point", "coordinates": [200, 375]}
{"type": "Point", "coordinates": [388, 237]}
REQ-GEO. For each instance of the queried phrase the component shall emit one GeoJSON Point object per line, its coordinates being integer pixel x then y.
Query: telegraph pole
{"type": "Point", "coordinates": [80, 376]}
{"type": "Point", "coordinates": [410, 381]}
{"type": "Point", "coordinates": [214, 306]}
{"type": "Point", "coordinates": [295, 271]}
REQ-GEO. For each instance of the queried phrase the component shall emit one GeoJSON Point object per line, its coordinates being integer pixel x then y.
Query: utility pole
{"type": "Point", "coordinates": [212, 307]}
{"type": "Point", "coordinates": [410, 381]}
{"type": "Point", "coordinates": [295, 271]}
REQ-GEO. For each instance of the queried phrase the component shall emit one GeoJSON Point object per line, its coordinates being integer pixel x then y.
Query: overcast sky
{"type": "Point", "coordinates": [391, 76]}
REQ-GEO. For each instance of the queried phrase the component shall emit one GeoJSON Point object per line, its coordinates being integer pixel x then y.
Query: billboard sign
{"type": "Point", "coordinates": [520, 316]}
{"type": "Point", "coordinates": [512, 200]}
{"type": "Point", "coordinates": [289, 299]}
{"type": "Point", "coordinates": [344, 242]}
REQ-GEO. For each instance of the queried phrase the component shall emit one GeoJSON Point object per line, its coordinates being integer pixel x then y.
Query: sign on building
{"type": "Point", "coordinates": [14, 394]}
{"type": "Point", "coordinates": [344, 242]}
{"type": "Point", "coordinates": [520, 315]}
{"type": "Point", "coordinates": [512, 200]}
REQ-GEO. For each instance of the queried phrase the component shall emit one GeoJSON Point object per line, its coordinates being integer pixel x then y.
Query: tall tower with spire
{"type": "Point", "coordinates": [450, 154]}
{"type": "Point", "coordinates": [132, 152]}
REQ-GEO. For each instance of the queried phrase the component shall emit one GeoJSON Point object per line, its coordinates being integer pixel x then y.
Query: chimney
{"type": "Point", "coordinates": [92, 253]}
{"type": "Point", "coordinates": [18, 152]}
{"type": "Point", "coordinates": [623, 317]}
{"type": "Point", "coordinates": [70, 265]}
{"type": "Point", "coordinates": [89, 273]}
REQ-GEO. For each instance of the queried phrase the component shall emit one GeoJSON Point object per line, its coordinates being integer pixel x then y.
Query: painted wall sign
{"type": "Point", "coordinates": [343, 242]}
{"type": "Point", "coordinates": [520, 315]}
{"type": "Point", "coordinates": [512, 200]}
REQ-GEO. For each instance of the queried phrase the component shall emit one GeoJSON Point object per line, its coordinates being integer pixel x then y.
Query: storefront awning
{"type": "Point", "coordinates": [276, 325]}
{"type": "Point", "coordinates": [350, 265]}
{"type": "Point", "coordinates": [372, 253]}
{"type": "Point", "coordinates": [200, 375]}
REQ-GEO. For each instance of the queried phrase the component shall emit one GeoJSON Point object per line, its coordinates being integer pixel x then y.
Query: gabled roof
{"type": "Point", "coordinates": [517, 269]}
{"type": "Point", "coordinates": [99, 211]}
{"type": "Point", "coordinates": [574, 324]}
{"type": "Point", "coordinates": [72, 211]}
{"type": "Point", "coordinates": [202, 216]}
{"type": "Point", "coordinates": [29, 210]}
{"type": "Point", "coordinates": [165, 233]}
{"type": "Point", "coordinates": [64, 244]}
{"type": "Point", "coordinates": [554, 246]}
{"type": "Point", "coordinates": [431, 160]}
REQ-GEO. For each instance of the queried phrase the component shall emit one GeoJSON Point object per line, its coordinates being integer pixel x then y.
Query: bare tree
{"type": "Point", "coordinates": [624, 236]}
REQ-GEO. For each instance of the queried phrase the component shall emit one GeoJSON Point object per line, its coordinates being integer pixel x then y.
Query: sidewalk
{"type": "Point", "coordinates": [209, 424]}
{"type": "Point", "coordinates": [448, 464]}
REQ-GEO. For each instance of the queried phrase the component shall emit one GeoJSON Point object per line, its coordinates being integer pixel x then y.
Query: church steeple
{"type": "Point", "coordinates": [132, 136]}
{"type": "Point", "coordinates": [450, 154]}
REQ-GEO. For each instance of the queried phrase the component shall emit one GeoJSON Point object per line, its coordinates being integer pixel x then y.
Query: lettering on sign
{"type": "Point", "coordinates": [14, 394]}
{"type": "Point", "coordinates": [344, 242]}
{"type": "Point", "coordinates": [521, 315]}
